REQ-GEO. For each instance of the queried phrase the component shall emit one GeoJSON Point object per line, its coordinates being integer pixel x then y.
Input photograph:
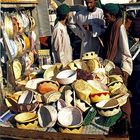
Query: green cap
{"type": "Point", "coordinates": [63, 9]}
{"type": "Point", "coordinates": [111, 8]}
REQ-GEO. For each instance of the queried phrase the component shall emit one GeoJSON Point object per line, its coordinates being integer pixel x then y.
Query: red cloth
{"type": "Point", "coordinates": [43, 41]}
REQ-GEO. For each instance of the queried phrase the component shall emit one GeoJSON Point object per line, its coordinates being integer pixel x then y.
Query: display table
{"type": "Point", "coordinates": [20, 134]}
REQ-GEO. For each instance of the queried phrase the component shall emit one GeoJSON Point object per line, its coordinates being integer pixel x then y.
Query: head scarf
{"type": "Point", "coordinates": [111, 8]}
{"type": "Point", "coordinates": [63, 9]}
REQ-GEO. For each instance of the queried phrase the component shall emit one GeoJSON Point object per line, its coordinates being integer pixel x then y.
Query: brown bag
{"type": "Point", "coordinates": [124, 74]}
{"type": "Point", "coordinates": [117, 71]}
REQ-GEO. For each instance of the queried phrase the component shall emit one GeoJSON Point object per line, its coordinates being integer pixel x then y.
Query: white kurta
{"type": "Point", "coordinates": [61, 47]}
{"type": "Point", "coordinates": [123, 52]}
{"type": "Point", "coordinates": [90, 41]}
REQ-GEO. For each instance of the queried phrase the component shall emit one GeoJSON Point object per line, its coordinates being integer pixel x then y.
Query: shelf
{"type": "Point", "coordinates": [17, 5]}
{"type": "Point", "coordinates": [20, 134]}
{"type": "Point", "coordinates": [18, 1]}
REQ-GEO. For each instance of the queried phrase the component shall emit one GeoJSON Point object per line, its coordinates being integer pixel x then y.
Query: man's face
{"type": "Point", "coordinates": [90, 5]}
{"type": "Point", "coordinates": [109, 18]}
{"type": "Point", "coordinates": [67, 18]}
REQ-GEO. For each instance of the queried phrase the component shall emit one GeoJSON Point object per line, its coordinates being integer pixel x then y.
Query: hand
{"type": "Point", "coordinates": [125, 76]}
{"type": "Point", "coordinates": [87, 27]}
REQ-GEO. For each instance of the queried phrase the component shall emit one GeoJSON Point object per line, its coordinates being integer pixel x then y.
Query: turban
{"type": "Point", "coordinates": [63, 9]}
{"type": "Point", "coordinates": [111, 8]}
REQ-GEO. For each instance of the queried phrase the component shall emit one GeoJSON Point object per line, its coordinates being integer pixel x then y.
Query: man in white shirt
{"type": "Point", "coordinates": [88, 24]}
{"type": "Point", "coordinates": [61, 47]}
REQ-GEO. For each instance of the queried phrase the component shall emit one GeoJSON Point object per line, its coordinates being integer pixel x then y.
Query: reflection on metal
{"type": "Point", "coordinates": [131, 6]}
{"type": "Point", "coordinates": [135, 50]}
{"type": "Point", "coordinates": [115, 1]}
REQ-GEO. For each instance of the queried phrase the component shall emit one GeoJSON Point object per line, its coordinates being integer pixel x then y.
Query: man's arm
{"type": "Point", "coordinates": [73, 20]}
{"type": "Point", "coordinates": [98, 25]}
{"type": "Point", "coordinates": [57, 43]}
{"type": "Point", "coordinates": [127, 64]}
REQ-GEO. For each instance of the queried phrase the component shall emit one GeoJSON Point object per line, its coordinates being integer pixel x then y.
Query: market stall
{"type": "Point", "coordinates": [81, 100]}
{"type": "Point", "coordinates": [13, 133]}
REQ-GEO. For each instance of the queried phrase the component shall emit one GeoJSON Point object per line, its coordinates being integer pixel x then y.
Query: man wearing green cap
{"type": "Point", "coordinates": [116, 47]}
{"type": "Point", "coordinates": [61, 47]}
{"type": "Point", "coordinates": [88, 24]}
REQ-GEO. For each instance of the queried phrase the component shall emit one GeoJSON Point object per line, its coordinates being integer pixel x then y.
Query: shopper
{"type": "Point", "coordinates": [88, 24]}
{"type": "Point", "coordinates": [116, 47]}
{"type": "Point", "coordinates": [61, 47]}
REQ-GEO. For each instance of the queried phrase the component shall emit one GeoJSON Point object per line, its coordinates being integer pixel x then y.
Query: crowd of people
{"type": "Point", "coordinates": [103, 31]}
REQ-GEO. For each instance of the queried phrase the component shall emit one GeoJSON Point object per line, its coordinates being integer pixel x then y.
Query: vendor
{"type": "Point", "coordinates": [61, 46]}
{"type": "Point", "coordinates": [116, 47]}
